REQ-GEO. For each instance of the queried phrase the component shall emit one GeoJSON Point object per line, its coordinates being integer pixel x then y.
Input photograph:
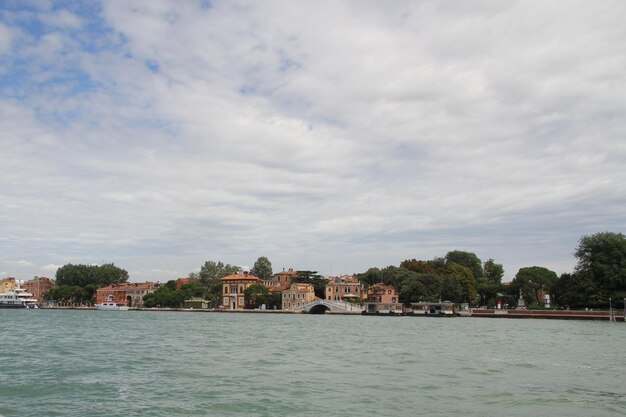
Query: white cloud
{"type": "Point", "coordinates": [50, 267]}
{"type": "Point", "coordinates": [310, 132]}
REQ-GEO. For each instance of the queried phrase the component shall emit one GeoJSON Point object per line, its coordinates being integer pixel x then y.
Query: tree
{"type": "Point", "coordinates": [602, 259]}
{"type": "Point", "coordinates": [83, 275]}
{"type": "Point", "coordinates": [209, 277]}
{"type": "Point", "coordinates": [312, 277]}
{"type": "Point", "coordinates": [493, 272]}
{"type": "Point", "coordinates": [533, 281]}
{"type": "Point", "coordinates": [256, 295]}
{"type": "Point", "coordinates": [370, 277]}
{"type": "Point", "coordinates": [468, 260]}
{"type": "Point", "coordinates": [262, 268]}
{"type": "Point", "coordinates": [415, 287]}
{"type": "Point", "coordinates": [466, 281]}
{"type": "Point", "coordinates": [491, 284]}
{"type": "Point", "coordinates": [577, 291]}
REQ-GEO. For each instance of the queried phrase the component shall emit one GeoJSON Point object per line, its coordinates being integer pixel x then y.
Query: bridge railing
{"type": "Point", "coordinates": [342, 305]}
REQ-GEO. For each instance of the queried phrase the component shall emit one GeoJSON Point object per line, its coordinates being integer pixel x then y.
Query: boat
{"type": "Point", "coordinates": [18, 298]}
{"type": "Point", "coordinates": [111, 305]}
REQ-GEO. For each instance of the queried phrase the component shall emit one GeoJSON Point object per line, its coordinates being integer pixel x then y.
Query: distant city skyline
{"type": "Point", "coordinates": [329, 136]}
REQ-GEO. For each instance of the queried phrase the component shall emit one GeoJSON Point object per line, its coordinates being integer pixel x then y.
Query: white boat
{"type": "Point", "coordinates": [18, 298]}
{"type": "Point", "coordinates": [111, 305]}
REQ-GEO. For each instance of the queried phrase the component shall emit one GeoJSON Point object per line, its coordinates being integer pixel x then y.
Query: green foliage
{"type": "Point", "coordinates": [466, 281]}
{"type": "Point", "coordinates": [493, 272]}
{"type": "Point", "coordinates": [262, 268]}
{"type": "Point", "coordinates": [168, 296]}
{"type": "Point", "coordinates": [577, 291]}
{"type": "Point", "coordinates": [491, 284]}
{"type": "Point", "coordinates": [468, 260]}
{"type": "Point", "coordinates": [209, 277]}
{"type": "Point", "coordinates": [312, 277]}
{"type": "Point", "coordinates": [370, 277]}
{"type": "Point", "coordinates": [83, 275]}
{"type": "Point", "coordinates": [417, 287]}
{"type": "Point", "coordinates": [72, 294]}
{"type": "Point", "coordinates": [532, 280]}
{"type": "Point", "coordinates": [255, 295]}
{"type": "Point", "coordinates": [602, 258]}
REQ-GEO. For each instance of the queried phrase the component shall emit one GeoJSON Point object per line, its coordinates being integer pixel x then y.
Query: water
{"type": "Point", "coordinates": [90, 363]}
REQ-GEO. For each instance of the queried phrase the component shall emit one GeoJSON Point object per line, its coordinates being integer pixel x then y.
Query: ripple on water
{"type": "Point", "coordinates": [86, 363]}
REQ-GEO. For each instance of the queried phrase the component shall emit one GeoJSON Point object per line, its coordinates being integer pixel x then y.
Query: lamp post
{"type": "Point", "coordinates": [610, 310]}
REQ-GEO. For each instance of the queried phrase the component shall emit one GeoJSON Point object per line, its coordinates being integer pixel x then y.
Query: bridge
{"type": "Point", "coordinates": [319, 306]}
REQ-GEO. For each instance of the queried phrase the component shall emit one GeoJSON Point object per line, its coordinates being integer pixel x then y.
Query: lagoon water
{"type": "Point", "coordinates": [91, 363]}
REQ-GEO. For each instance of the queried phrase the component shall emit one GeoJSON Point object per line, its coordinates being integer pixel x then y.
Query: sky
{"type": "Point", "coordinates": [326, 135]}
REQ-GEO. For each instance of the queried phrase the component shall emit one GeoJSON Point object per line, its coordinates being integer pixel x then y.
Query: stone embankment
{"type": "Point", "coordinates": [549, 314]}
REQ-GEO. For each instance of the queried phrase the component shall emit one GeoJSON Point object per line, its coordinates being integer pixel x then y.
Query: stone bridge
{"type": "Point", "coordinates": [319, 306]}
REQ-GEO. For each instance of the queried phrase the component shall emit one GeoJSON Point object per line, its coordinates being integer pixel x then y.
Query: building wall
{"type": "Point", "coordinates": [297, 295]}
{"type": "Point", "coordinates": [380, 293]}
{"type": "Point", "coordinates": [7, 285]}
{"type": "Point", "coordinates": [128, 293]}
{"type": "Point", "coordinates": [38, 286]}
{"type": "Point", "coordinates": [233, 287]}
{"type": "Point", "coordinates": [339, 287]}
{"type": "Point", "coordinates": [283, 279]}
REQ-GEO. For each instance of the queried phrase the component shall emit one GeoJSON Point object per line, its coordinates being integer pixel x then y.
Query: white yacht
{"type": "Point", "coordinates": [18, 298]}
{"type": "Point", "coordinates": [111, 305]}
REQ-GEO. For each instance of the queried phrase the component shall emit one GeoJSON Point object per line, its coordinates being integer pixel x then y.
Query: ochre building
{"type": "Point", "coordinates": [233, 287]}
{"type": "Point", "coordinates": [297, 295]}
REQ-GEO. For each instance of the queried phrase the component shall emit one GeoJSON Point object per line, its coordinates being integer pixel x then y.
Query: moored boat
{"type": "Point", "coordinates": [111, 305]}
{"type": "Point", "coordinates": [18, 298]}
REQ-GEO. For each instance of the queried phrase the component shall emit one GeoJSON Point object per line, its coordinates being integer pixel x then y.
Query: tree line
{"type": "Point", "coordinates": [459, 276]}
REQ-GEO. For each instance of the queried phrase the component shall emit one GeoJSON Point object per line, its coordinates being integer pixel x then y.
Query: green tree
{"type": "Point", "coordinates": [602, 259]}
{"type": "Point", "coordinates": [83, 275]}
{"type": "Point", "coordinates": [262, 268]}
{"type": "Point", "coordinates": [577, 291]}
{"type": "Point", "coordinates": [468, 260]}
{"type": "Point", "coordinates": [451, 290]}
{"type": "Point", "coordinates": [312, 277]}
{"type": "Point", "coordinates": [415, 287]}
{"type": "Point", "coordinates": [491, 285]}
{"type": "Point", "coordinates": [532, 281]}
{"type": "Point", "coordinates": [209, 277]}
{"type": "Point", "coordinates": [370, 277]}
{"type": "Point", "coordinates": [255, 295]}
{"type": "Point", "coordinates": [493, 272]}
{"type": "Point", "coordinates": [466, 281]}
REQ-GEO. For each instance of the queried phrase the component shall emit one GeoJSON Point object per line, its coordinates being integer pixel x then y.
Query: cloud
{"type": "Point", "coordinates": [50, 267]}
{"type": "Point", "coordinates": [160, 134]}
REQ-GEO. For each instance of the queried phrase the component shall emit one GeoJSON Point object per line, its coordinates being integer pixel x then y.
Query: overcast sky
{"type": "Point", "coordinates": [326, 135]}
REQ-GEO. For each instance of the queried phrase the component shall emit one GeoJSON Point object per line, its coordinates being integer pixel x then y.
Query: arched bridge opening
{"type": "Point", "coordinates": [319, 309]}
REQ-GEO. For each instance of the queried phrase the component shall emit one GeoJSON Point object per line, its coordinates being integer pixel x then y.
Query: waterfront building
{"type": "Point", "coordinates": [129, 293]}
{"type": "Point", "coordinates": [344, 288]}
{"type": "Point", "coordinates": [38, 286]}
{"type": "Point", "coordinates": [182, 281]}
{"type": "Point", "coordinates": [233, 287]}
{"type": "Point", "coordinates": [298, 294]}
{"type": "Point", "coordinates": [281, 281]}
{"type": "Point", "coordinates": [382, 298]}
{"type": "Point", "coordinates": [7, 285]}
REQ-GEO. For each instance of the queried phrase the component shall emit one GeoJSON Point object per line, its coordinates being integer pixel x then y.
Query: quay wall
{"type": "Point", "coordinates": [548, 314]}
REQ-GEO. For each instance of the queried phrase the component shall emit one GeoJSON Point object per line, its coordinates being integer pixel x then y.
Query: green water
{"type": "Point", "coordinates": [91, 363]}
